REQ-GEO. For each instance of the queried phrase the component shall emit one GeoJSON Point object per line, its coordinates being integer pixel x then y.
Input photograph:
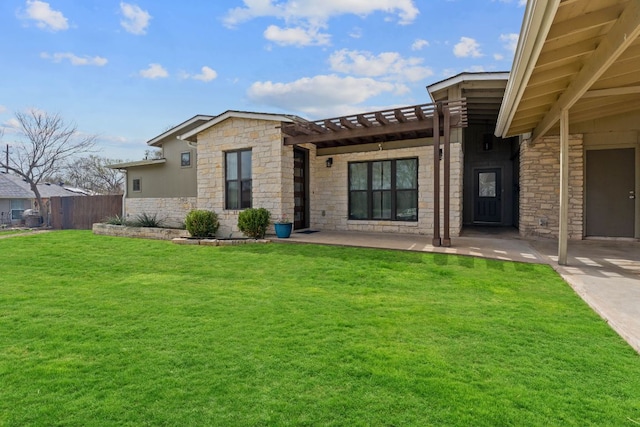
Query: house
{"type": "Point", "coordinates": [16, 197]}
{"type": "Point", "coordinates": [551, 148]}
{"type": "Point", "coordinates": [573, 99]}
{"type": "Point", "coordinates": [365, 172]}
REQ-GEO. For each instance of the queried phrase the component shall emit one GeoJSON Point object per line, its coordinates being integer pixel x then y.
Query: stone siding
{"type": "Point", "coordinates": [139, 232]}
{"type": "Point", "coordinates": [330, 195]}
{"type": "Point", "coordinates": [271, 163]}
{"type": "Point", "coordinates": [172, 211]}
{"type": "Point", "coordinates": [540, 188]}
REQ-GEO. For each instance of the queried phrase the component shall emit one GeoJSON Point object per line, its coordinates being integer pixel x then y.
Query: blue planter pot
{"type": "Point", "coordinates": [283, 231]}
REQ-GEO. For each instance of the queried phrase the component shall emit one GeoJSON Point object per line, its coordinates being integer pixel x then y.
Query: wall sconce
{"type": "Point", "coordinates": [329, 162]}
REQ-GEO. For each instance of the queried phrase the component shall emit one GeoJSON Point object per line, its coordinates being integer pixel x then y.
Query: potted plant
{"type": "Point", "coordinates": [283, 227]}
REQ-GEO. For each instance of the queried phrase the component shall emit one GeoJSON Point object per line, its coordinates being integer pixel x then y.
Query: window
{"type": "Point", "coordinates": [386, 189]}
{"type": "Point", "coordinates": [185, 159]}
{"type": "Point", "coordinates": [137, 185]}
{"type": "Point", "coordinates": [238, 179]}
{"type": "Point", "coordinates": [17, 208]}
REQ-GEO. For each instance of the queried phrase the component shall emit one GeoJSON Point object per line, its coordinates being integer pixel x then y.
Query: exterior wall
{"type": "Point", "coordinates": [271, 163]}
{"type": "Point", "coordinates": [172, 211]}
{"type": "Point", "coordinates": [330, 196]}
{"type": "Point", "coordinates": [540, 187]}
{"type": "Point", "coordinates": [165, 180]}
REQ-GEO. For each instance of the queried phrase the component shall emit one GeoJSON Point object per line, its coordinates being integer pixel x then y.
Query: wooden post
{"type": "Point", "coordinates": [446, 239]}
{"type": "Point", "coordinates": [563, 231]}
{"type": "Point", "coordinates": [436, 175]}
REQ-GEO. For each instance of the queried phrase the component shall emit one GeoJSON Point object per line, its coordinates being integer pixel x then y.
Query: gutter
{"type": "Point", "coordinates": [537, 21]}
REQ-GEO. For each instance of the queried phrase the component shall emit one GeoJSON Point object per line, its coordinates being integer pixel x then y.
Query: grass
{"type": "Point", "coordinates": [98, 331]}
{"type": "Point", "coordinates": [8, 231]}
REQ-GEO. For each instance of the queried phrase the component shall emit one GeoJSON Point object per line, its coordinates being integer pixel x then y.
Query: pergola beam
{"type": "Point", "coordinates": [622, 34]}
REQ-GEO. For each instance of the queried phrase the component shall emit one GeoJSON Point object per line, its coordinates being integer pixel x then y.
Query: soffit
{"type": "Point", "coordinates": [589, 62]}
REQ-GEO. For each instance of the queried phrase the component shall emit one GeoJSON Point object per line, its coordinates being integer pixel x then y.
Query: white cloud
{"type": "Point", "coordinates": [135, 20]}
{"type": "Point", "coordinates": [155, 71]}
{"type": "Point", "coordinates": [467, 47]}
{"type": "Point", "coordinates": [3, 109]}
{"type": "Point", "coordinates": [510, 41]}
{"type": "Point", "coordinates": [74, 59]}
{"type": "Point", "coordinates": [318, 12]}
{"type": "Point", "coordinates": [389, 65]}
{"type": "Point", "coordinates": [498, 56]}
{"type": "Point", "coordinates": [320, 94]}
{"type": "Point", "coordinates": [207, 74]}
{"type": "Point", "coordinates": [45, 17]}
{"type": "Point", "coordinates": [419, 44]}
{"type": "Point", "coordinates": [356, 33]}
{"type": "Point", "coordinates": [296, 36]}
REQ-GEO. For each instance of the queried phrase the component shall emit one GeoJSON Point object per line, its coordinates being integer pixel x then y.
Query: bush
{"type": "Point", "coordinates": [146, 220]}
{"type": "Point", "coordinates": [116, 220]}
{"type": "Point", "coordinates": [201, 223]}
{"type": "Point", "coordinates": [254, 222]}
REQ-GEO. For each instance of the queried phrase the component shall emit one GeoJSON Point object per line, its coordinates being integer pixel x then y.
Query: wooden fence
{"type": "Point", "coordinates": [81, 212]}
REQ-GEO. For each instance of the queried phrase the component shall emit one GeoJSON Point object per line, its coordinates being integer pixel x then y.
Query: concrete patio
{"type": "Point", "coordinates": [604, 273]}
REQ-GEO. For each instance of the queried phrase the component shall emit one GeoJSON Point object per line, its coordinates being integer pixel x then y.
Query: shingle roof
{"type": "Point", "coordinates": [14, 187]}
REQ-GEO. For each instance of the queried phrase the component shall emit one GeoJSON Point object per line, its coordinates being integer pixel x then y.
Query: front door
{"type": "Point", "coordinates": [610, 192]}
{"type": "Point", "coordinates": [488, 196]}
{"type": "Point", "coordinates": [300, 186]}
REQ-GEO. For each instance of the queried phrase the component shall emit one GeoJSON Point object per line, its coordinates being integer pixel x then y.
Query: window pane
{"type": "Point", "coordinates": [246, 194]}
{"type": "Point", "coordinates": [407, 205]}
{"type": "Point", "coordinates": [382, 204]}
{"type": "Point", "coordinates": [358, 205]}
{"type": "Point", "coordinates": [245, 164]}
{"type": "Point", "coordinates": [487, 184]}
{"type": "Point", "coordinates": [381, 175]}
{"type": "Point", "coordinates": [185, 159]}
{"type": "Point", "coordinates": [232, 166]}
{"type": "Point", "coordinates": [406, 174]}
{"type": "Point", "coordinates": [358, 176]}
{"type": "Point", "coordinates": [232, 195]}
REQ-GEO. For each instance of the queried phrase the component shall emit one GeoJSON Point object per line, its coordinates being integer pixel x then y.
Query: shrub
{"type": "Point", "coordinates": [116, 220]}
{"type": "Point", "coordinates": [146, 220]}
{"type": "Point", "coordinates": [201, 223]}
{"type": "Point", "coordinates": [253, 222]}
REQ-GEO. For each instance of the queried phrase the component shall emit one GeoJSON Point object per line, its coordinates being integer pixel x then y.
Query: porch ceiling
{"type": "Point", "coordinates": [374, 127]}
{"type": "Point", "coordinates": [577, 55]}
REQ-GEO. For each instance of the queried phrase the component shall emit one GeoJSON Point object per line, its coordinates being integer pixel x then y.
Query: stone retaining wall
{"type": "Point", "coordinates": [139, 232]}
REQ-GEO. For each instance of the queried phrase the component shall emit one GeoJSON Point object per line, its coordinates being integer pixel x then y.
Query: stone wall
{"type": "Point", "coordinates": [330, 196]}
{"type": "Point", "coordinates": [271, 162]}
{"type": "Point", "coordinates": [172, 211]}
{"type": "Point", "coordinates": [540, 187]}
{"type": "Point", "coordinates": [139, 232]}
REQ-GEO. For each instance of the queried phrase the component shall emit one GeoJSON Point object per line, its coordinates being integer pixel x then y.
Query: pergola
{"type": "Point", "coordinates": [418, 121]}
{"type": "Point", "coordinates": [577, 59]}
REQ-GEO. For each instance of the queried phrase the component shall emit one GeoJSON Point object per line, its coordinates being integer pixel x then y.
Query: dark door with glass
{"type": "Point", "coordinates": [610, 192]}
{"type": "Point", "coordinates": [488, 196]}
{"type": "Point", "coordinates": [300, 188]}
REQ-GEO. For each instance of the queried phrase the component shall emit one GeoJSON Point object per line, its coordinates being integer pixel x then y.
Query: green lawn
{"type": "Point", "coordinates": [99, 331]}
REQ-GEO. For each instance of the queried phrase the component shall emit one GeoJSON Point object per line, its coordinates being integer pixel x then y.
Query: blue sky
{"type": "Point", "coordinates": [128, 71]}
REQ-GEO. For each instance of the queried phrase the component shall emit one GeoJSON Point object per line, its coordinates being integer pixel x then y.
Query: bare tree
{"type": "Point", "coordinates": [46, 143]}
{"type": "Point", "coordinates": [92, 173]}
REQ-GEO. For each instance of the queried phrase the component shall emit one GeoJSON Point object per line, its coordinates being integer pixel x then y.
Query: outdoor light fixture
{"type": "Point", "coordinates": [329, 162]}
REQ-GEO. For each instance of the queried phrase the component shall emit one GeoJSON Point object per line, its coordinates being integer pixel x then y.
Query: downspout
{"type": "Point", "coordinates": [124, 194]}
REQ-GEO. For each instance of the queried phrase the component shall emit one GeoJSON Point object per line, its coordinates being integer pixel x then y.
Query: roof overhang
{"type": "Point", "coordinates": [375, 127]}
{"type": "Point", "coordinates": [193, 133]}
{"type": "Point", "coordinates": [483, 92]}
{"type": "Point", "coordinates": [580, 56]}
{"type": "Point", "coordinates": [148, 162]}
{"type": "Point", "coordinates": [181, 128]}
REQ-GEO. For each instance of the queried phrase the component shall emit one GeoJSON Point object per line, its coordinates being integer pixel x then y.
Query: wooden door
{"type": "Point", "coordinates": [488, 196]}
{"type": "Point", "coordinates": [610, 192]}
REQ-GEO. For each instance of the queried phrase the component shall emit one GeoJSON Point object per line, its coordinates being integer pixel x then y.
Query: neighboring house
{"type": "Point", "coordinates": [16, 197]}
{"type": "Point", "coordinates": [574, 96]}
